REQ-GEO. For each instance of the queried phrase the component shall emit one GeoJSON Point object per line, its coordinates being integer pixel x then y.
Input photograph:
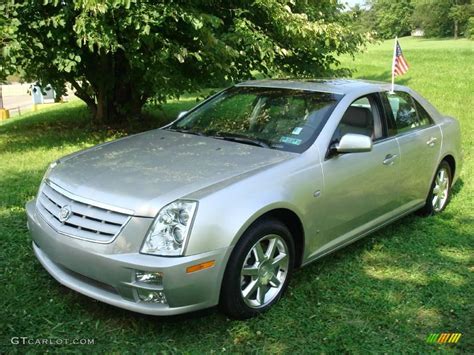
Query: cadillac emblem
{"type": "Point", "coordinates": [65, 213]}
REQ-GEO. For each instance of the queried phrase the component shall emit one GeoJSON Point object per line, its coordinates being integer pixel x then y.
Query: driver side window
{"type": "Point", "coordinates": [362, 117]}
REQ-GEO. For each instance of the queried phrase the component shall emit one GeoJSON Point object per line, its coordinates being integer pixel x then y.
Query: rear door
{"type": "Point", "coordinates": [420, 141]}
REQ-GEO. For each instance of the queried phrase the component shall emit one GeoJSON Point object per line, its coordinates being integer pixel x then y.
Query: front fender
{"type": "Point", "coordinates": [224, 215]}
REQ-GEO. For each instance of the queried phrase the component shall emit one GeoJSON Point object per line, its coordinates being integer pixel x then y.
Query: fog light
{"type": "Point", "coordinates": [151, 296]}
{"type": "Point", "coordinates": [153, 278]}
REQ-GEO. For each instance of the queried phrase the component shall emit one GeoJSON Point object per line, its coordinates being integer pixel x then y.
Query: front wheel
{"type": "Point", "coordinates": [258, 270]}
{"type": "Point", "coordinates": [440, 191]}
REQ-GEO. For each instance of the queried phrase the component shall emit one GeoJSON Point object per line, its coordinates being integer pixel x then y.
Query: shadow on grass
{"type": "Point", "coordinates": [71, 125]}
{"type": "Point", "coordinates": [457, 187]}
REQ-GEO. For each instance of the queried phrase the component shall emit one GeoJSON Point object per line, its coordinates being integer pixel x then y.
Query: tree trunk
{"type": "Point", "coordinates": [123, 105]}
{"type": "Point", "coordinates": [456, 29]}
{"type": "Point", "coordinates": [102, 113]}
{"type": "Point", "coordinates": [120, 106]}
{"type": "Point", "coordinates": [109, 91]}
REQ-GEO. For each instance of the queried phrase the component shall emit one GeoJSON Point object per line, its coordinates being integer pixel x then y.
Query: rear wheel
{"type": "Point", "coordinates": [258, 270]}
{"type": "Point", "coordinates": [440, 191]}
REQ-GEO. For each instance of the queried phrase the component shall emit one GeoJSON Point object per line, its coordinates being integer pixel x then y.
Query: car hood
{"type": "Point", "coordinates": [143, 172]}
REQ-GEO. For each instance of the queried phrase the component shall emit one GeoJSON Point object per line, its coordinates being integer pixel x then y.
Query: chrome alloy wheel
{"type": "Point", "coordinates": [440, 190]}
{"type": "Point", "coordinates": [264, 271]}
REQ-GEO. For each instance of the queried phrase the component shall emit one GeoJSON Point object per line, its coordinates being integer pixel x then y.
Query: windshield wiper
{"type": "Point", "coordinates": [233, 137]}
{"type": "Point", "coordinates": [241, 139]}
{"type": "Point", "coordinates": [183, 130]}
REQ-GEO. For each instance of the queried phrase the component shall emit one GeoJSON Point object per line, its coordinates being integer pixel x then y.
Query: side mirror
{"type": "Point", "coordinates": [181, 114]}
{"type": "Point", "coordinates": [354, 143]}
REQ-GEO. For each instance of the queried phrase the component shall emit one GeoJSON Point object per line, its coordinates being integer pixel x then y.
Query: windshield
{"type": "Point", "coordinates": [274, 118]}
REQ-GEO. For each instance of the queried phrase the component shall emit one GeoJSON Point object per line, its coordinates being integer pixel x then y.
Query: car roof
{"type": "Point", "coordinates": [334, 86]}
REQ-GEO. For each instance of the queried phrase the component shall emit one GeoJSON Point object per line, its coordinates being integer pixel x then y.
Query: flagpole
{"type": "Point", "coordinates": [393, 64]}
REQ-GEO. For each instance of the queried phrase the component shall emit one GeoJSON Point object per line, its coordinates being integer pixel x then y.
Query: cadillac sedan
{"type": "Point", "coordinates": [220, 206]}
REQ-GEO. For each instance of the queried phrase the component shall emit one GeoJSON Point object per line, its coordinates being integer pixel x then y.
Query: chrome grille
{"type": "Point", "coordinates": [85, 221]}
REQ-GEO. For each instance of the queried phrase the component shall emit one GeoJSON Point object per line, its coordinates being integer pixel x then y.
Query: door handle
{"type": "Point", "coordinates": [389, 159]}
{"type": "Point", "coordinates": [431, 142]}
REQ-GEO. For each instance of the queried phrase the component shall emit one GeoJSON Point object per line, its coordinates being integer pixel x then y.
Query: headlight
{"type": "Point", "coordinates": [171, 229]}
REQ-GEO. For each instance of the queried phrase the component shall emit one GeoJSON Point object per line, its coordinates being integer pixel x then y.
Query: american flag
{"type": "Point", "coordinates": [400, 65]}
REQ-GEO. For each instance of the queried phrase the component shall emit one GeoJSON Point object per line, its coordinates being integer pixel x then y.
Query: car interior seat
{"type": "Point", "coordinates": [358, 120]}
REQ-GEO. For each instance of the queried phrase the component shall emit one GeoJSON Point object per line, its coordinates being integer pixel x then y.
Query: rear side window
{"type": "Point", "coordinates": [423, 116]}
{"type": "Point", "coordinates": [404, 111]}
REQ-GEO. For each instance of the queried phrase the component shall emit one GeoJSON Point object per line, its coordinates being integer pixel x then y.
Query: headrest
{"type": "Point", "coordinates": [358, 117]}
{"type": "Point", "coordinates": [404, 110]}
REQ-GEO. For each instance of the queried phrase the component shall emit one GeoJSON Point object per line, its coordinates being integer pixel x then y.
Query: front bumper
{"type": "Point", "coordinates": [107, 272]}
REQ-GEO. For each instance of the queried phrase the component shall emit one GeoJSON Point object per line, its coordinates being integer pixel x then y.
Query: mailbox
{"type": "Point", "coordinates": [42, 95]}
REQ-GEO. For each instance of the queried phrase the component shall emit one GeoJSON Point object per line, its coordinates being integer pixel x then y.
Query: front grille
{"type": "Point", "coordinates": [85, 221]}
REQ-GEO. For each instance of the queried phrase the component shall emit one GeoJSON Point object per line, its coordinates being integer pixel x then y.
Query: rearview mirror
{"type": "Point", "coordinates": [354, 143]}
{"type": "Point", "coordinates": [181, 114]}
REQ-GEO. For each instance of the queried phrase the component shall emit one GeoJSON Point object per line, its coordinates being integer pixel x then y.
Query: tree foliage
{"type": "Point", "coordinates": [437, 18]}
{"type": "Point", "coordinates": [441, 18]}
{"type": "Point", "coordinates": [470, 28]}
{"type": "Point", "coordinates": [5, 67]}
{"type": "Point", "coordinates": [117, 54]}
{"type": "Point", "coordinates": [391, 18]}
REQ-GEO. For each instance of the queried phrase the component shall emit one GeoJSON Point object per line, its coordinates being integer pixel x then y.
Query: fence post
{"type": "Point", "coordinates": [4, 114]}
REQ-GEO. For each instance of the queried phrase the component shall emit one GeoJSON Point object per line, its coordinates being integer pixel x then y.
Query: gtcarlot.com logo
{"type": "Point", "coordinates": [51, 341]}
{"type": "Point", "coordinates": [443, 338]}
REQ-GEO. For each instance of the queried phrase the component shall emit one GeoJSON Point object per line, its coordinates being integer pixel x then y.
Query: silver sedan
{"type": "Point", "coordinates": [220, 206]}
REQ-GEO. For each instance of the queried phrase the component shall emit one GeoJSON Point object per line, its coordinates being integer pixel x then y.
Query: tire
{"type": "Point", "coordinates": [440, 191]}
{"type": "Point", "coordinates": [247, 292]}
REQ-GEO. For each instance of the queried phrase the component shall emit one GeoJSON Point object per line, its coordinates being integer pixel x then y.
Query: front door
{"type": "Point", "coordinates": [359, 188]}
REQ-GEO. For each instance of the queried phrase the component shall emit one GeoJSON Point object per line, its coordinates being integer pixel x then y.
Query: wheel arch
{"type": "Point", "coordinates": [452, 163]}
{"type": "Point", "coordinates": [293, 222]}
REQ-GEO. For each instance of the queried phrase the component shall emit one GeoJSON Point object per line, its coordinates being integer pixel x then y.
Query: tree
{"type": "Point", "coordinates": [390, 18]}
{"type": "Point", "coordinates": [459, 14]}
{"type": "Point", "coordinates": [363, 19]}
{"type": "Point", "coordinates": [117, 54]}
{"type": "Point", "coordinates": [5, 67]}
{"type": "Point", "coordinates": [441, 18]}
{"type": "Point", "coordinates": [470, 28]}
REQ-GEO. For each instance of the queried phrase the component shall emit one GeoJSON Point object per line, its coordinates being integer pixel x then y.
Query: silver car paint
{"type": "Point", "coordinates": [337, 200]}
{"type": "Point", "coordinates": [148, 170]}
{"type": "Point", "coordinates": [106, 271]}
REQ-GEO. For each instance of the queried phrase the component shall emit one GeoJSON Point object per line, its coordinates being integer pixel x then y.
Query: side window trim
{"type": "Point", "coordinates": [387, 120]}
{"type": "Point", "coordinates": [377, 114]}
{"type": "Point", "coordinates": [383, 117]}
{"type": "Point", "coordinates": [418, 119]}
{"type": "Point", "coordinates": [391, 125]}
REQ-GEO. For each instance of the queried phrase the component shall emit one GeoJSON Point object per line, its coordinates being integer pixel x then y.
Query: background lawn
{"type": "Point", "coordinates": [385, 293]}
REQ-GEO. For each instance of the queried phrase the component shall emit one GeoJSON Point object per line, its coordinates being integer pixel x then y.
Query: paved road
{"type": "Point", "coordinates": [17, 104]}
{"type": "Point", "coordinates": [17, 100]}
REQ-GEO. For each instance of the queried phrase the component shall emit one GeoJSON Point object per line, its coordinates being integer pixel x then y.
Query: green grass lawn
{"type": "Point", "coordinates": [382, 294]}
